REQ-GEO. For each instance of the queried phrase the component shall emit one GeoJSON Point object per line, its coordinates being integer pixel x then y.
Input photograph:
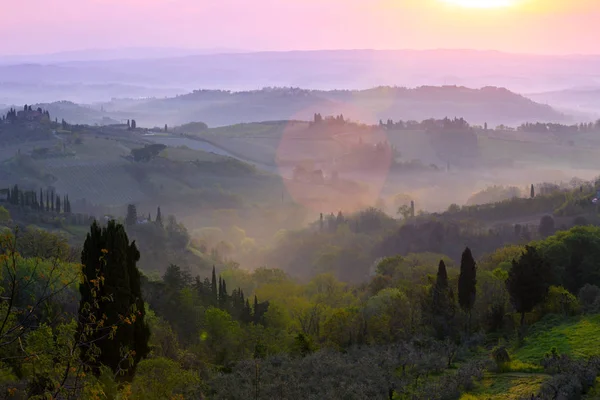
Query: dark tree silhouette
{"type": "Point", "coordinates": [131, 218]}
{"type": "Point", "coordinates": [467, 283]}
{"type": "Point", "coordinates": [546, 227]}
{"type": "Point", "coordinates": [108, 257]}
{"type": "Point", "coordinates": [527, 282]}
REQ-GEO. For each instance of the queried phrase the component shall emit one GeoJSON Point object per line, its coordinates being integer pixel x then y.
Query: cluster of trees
{"type": "Point", "coordinates": [50, 348]}
{"type": "Point", "coordinates": [338, 119]}
{"type": "Point", "coordinates": [147, 152]}
{"type": "Point", "coordinates": [30, 198]}
{"type": "Point", "coordinates": [541, 127]}
{"type": "Point", "coordinates": [28, 113]}
{"type": "Point", "coordinates": [397, 335]}
{"type": "Point", "coordinates": [431, 124]}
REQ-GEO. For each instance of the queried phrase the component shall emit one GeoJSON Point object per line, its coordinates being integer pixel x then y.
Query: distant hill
{"type": "Point", "coordinates": [217, 108]}
{"type": "Point", "coordinates": [324, 70]}
{"type": "Point", "coordinates": [582, 100]}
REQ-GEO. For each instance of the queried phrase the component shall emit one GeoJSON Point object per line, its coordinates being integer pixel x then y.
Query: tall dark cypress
{"type": "Point", "coordinates": [224, 297]}
{"type": "Point", "coordinates": [467, 282]}
{"type": "Point", "coordinates": [47, 201]}
{"type": "Point", "coordinates": [58, 204]}
{"type": "Point", "coordinates": [213, 286]}
{"type": "Point", "coordinates": [159, 220]}
{"type": "Point", "coordinates": [52, 201]}
{"type": "Point", "coordinates": [442, 304]}
{"type": "Point", "coordinates": [220, 297]}
{"type": "Point", "coordinates": [107, 253]}
{"type": "Point", "coordinates": [41, 200]}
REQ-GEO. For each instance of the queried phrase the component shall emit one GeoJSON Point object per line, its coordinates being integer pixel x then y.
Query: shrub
{"type": "Point", "coordinates": [589, 298]}
{"type": "Point", "coordinates": [502, 358]}
{"type": "Point", "coordinates": [560, 301]}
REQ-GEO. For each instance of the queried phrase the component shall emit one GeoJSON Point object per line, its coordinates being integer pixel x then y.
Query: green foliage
{"type": "Point", "coordinates": [4, 215]}
{"type": "Point", "coordinates": [573, 256]}
{"type": "Point", "coordinates": [162, 378]}
{"type": "Point", "coordinates": [527, 281]}
{"type": "Point", "coordinates": [568, 335]}
{"type": "Point", "coordinates": [560, 301]}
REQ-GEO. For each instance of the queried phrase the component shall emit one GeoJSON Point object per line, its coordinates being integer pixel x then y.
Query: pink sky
{"type": "Point", "coordinates": [535, 26]}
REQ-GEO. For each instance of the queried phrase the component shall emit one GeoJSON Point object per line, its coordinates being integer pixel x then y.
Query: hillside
{"type": "Point", "coordinates": [492, 105]}
{"type": "Point", "coordinates": [583, 100]}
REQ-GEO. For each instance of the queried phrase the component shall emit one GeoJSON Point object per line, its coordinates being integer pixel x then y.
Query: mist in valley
{"type": "Point", "coordinates": [229, 223]}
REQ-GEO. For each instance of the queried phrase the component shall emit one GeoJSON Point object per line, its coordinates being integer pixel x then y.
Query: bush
{"type": "Point", "coordinates": [502, 358]}
{"type": "Point", "coordinates": [560, 301]}
{"type": "Point", "coordinates": [589, 298]}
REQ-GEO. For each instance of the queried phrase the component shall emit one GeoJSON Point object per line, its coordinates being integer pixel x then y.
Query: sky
{"type": "Point", "coordinates": [528, 26]}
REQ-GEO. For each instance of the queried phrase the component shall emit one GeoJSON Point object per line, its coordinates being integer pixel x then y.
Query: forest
{"type": "Point", "coordinates": [510, 315]}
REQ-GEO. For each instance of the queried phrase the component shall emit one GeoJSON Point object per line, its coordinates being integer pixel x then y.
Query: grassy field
{"type": "Point", "coordinates": [571, 336]}
{"type": "Point", "coordinates": [508, 386]}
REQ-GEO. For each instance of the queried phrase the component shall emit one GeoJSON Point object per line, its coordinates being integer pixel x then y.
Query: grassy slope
{"type": "Point", "coordinates": [573, 336]}
{"type": "Point", "coordinates": [507, 386]}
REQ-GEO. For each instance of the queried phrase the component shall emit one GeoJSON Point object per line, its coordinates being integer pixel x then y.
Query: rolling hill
{"type": "Point", "coordinates": [219, 108]}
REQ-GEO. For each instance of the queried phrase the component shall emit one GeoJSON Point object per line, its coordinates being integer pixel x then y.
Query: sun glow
{"type": "Point", "coordinates": [481, 3]}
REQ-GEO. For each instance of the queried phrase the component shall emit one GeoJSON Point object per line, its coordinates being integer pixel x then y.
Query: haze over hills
{"type": "Point", "coordinates": [490, 105]}
{"type": "Point", "coordinates": [584, 100]}
{"type": "Point", "coordinates": [123, 53]}
{"type": "Point", "coordinates": [324, 70]}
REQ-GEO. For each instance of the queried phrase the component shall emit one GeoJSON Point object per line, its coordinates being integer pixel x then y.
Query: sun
{"type": "Point", "coordinates": [481, 3]}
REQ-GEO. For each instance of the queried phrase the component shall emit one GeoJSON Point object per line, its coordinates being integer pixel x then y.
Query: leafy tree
{"type": "Point", "coordinates": [108, 254]}
{"type": "Point", "coordinates": [131, 218]}
{"type": "Point", "coordinates": [175, 278]}
{"type": "Point", "coordinates": [527, 282]}
{"type": "Point", "coordinates": [467, 283]}
{"type": "Point", "coordinates": [546, 227]}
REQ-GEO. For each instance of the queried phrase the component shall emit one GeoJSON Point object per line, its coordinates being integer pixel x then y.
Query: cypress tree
{"type": "Point", "coordinates": [52, 201]}
{"type": "Point", "coordinates": [213, 286]}
{"type": "Point", "coordinates": [255, 315]}
{"type": "Point", "coordinates": [532, 192]}
{"type": "Point", "coordinates": [159, 221]}
{"type": "Point", "coordinates": [107, 255]}
{"type": "Point", "coordinates": [47, 201]}
{"type": "Point", "coordinates": [220, 297]}
{"type": "Point", "coordinates": [58, 204]}
{"type": "Point", "coordinates": [440, 289]}
{"type": "Point", "coordinates": [131, 218]}
{"type": "Point", "coordinates": [247, 313]}
{"type": "Point", "coordinates": [442, 303]}
{"type": "Point", "coordinates": [224, 295]}
{"type": "Point", "coordinates": [467, 283]}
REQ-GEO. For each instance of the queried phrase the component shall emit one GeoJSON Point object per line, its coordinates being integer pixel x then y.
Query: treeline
{"type": "Point", "coordinates": [27, 114]}
{"type": "Point", "coordinates": [431, 124]}
{"type": "Point", "coordinates": [541, 127]}
{"type": "Point", "coordinates": [30, 198]}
